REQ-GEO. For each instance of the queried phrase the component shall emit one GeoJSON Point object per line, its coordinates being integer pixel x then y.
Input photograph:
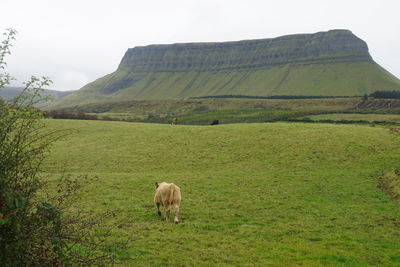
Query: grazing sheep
{"type": "Point", "coordinates": [167, 194]}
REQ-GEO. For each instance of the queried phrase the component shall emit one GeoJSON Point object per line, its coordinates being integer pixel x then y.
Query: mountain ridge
{"type": "Point", "coordinates": [332, 63]}
{"type": "Point", "coordinates": [299, 48]}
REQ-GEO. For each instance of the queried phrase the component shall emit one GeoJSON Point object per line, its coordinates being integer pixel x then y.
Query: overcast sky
{"type": "Point", "coordinates": [77, 41]}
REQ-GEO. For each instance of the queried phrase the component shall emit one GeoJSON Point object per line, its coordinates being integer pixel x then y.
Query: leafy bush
{"type": "Point", "coordinates": [37, 227]}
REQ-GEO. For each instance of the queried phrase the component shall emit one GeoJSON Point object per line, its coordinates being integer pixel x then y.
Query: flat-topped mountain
{"type": "Point", "coordinates": [340, 45]}
{"type": "Point", "coordinates": [333, 63]}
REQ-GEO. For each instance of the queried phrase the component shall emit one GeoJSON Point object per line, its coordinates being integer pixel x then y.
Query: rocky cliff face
{"type": "Point", "coordinates": [322, 47]}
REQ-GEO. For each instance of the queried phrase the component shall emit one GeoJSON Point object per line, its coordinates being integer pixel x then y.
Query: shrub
{"type": "Point", "coordinates": [37, 228]}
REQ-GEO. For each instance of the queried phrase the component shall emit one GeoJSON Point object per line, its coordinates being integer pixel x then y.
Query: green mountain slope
{"type": "Point", "coordinates": [333, 63]}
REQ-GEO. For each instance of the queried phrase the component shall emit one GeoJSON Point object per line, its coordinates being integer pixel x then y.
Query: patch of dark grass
{"type": "Point", "coordinates": [390, 184]}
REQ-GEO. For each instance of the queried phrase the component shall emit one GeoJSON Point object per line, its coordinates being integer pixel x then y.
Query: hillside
{"type": "Point", "coordinates": [333, 63]}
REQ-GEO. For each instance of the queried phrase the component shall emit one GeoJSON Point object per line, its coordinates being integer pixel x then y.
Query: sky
{"type": "Point", "coordinates": [75, 42]}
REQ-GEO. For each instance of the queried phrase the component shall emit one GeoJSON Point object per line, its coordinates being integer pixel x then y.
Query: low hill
{"type": "Point", "coordinates": [333, 63]}
{"type": "Point", "coordinates": [10, 92]}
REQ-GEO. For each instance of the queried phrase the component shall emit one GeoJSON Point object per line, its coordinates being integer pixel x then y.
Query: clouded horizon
{"type": "Point", "coordinates": [75, 42]}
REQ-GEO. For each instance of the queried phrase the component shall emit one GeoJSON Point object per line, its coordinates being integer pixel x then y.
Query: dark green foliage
{"type": "Point", "coordinates": [55, 114]}
{"type": "Point", "coordinates": [385, 94]}
{"type": "Point", "coordinates": [29, 228]}
{"type": "Point", "coordinates": [62, 114]}
{"type": "Point", "coordinates": [37, 227]}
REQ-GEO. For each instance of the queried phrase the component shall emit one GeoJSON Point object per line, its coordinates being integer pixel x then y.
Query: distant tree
{"type": "Point", "coordinates": [36, 226]}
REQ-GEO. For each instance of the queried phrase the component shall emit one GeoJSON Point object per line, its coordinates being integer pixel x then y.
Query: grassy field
{"type": "Point", "coordinates": [279, 194]}
{"type": "Point", "coordinates": [186, 106]}
{"type": "Point", "coordinates": [244, 110]}
{"type": "Point", "coordinates": [223, 116]}
{"type": "Point", "coordinates": [204, 111]}
{"type": "Point", "coordinates": [233, 116]}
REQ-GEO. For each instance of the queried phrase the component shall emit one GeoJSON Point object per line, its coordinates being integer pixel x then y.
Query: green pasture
{"type": "Point", "coordinates": [236, 116]}
{"type": "Point", "coordinates": [204, 111]}
{"type": "Point", "coordinates": [186, 106]}
{"type": "Point", "coordinates": [231, 110]}
{"type": "Point", "coordinates": [261, 194]}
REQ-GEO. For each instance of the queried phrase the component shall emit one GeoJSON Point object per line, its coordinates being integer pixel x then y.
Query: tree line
{"type": "Point", "coordinates": [376, 94]}
{"type": "Point", "coordinates": [386, 94]}
{"type": "Point", "coordinates": [62, 114]}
